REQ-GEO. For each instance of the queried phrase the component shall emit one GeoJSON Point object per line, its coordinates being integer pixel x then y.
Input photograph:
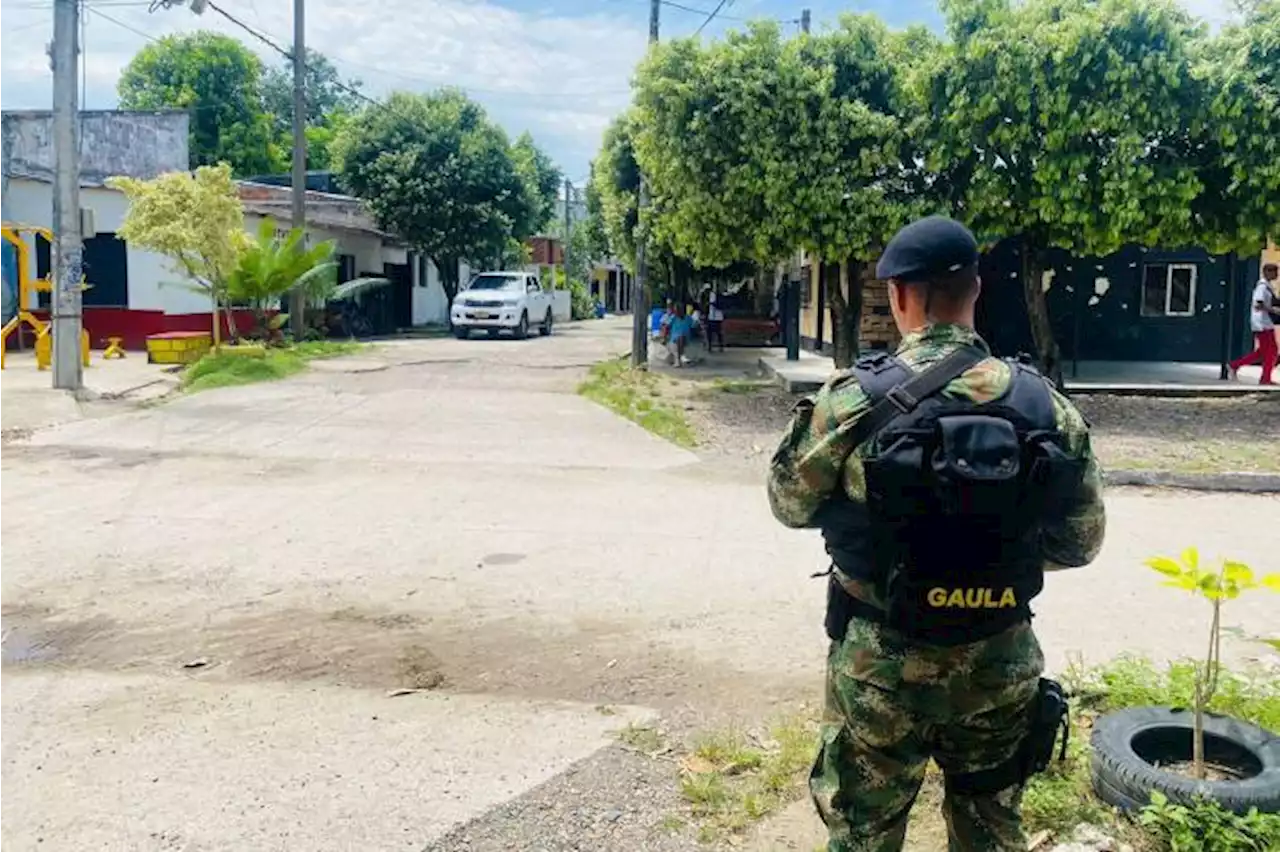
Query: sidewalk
{"type": "Point", "coordinates": [1139, 378]}
{"type": "Point", "coordinates": [29, 401]}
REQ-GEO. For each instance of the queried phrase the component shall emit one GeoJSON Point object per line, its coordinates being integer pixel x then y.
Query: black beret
{"type": "Point", "coordinates": [931, 246]}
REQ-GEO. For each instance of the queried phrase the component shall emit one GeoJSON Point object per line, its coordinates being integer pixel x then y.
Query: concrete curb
{"type": "Point", "coordinates": [1240, 483]}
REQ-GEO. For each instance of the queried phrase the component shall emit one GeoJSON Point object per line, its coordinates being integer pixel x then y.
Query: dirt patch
{"type": "Point", "coordinates": [597, 663]}
{"type": "Point", "coordinates": [1184, 435]}
{"type": "Point", "coordinates": [744, 421]}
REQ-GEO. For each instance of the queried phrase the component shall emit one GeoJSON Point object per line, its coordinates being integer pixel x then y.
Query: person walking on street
{"type": "Point", "coordinates": [715, 323]}
{"type": "Point", "coordinates": [1263, 326]}
{"type": "Point", "coordinates": [945, 482]}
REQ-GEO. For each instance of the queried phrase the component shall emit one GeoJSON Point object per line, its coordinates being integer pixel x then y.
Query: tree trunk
{"type": "Point", "coordinates": [1047, 352]}
{"type": "Point", "coordinates": [233, 330]}
{"type": "Point", "coordinates": [845, 300]}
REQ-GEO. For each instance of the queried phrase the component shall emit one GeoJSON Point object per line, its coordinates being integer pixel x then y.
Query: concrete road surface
{"type": "Point", "coordinates": [206, 604]}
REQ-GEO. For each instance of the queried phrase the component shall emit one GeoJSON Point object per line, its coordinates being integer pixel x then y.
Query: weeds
{"type": "Point", "coordinates": [642, 738]}
{"type": "Point", "coordinates": [221, 370]}
{"type": "Point", "coordinates": [633, 395]}
{"type": "Point", "coordinates": [731, 779]}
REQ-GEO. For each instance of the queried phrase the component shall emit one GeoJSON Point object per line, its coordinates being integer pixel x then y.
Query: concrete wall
{"type": "Point", "coordinates": [136, 144]}
{"type": "Point", "coordinates": [430, 306]}
{"type": "Point", "coordinates": [153, 283]}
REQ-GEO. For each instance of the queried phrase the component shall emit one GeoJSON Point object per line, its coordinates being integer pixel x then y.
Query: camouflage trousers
{"type": "Point", "coordinates": [892, 706]}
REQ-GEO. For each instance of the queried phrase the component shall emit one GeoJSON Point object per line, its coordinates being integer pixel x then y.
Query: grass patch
{"type": "Point", "coordinates": [221, 370]}
{"type": "Point", "coordinates": [634, 395]}
{"type": "Point", "coordinates": [731, 778]}
{"type": "Point", "coordinates": [741, 387]}
{"type": "Point", "coordinates": [643, 738]}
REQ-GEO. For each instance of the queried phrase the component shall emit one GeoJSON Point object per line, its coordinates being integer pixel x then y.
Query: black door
{"type": "Point", "coordinates": [106, 268]}
{"type": "Point", "coordinates": [401, 288]}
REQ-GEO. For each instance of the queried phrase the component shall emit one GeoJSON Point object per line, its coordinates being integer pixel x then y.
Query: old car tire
{"type": "Point", "coordinates": [1129, 743]}
{"type": "Point", "coordinates": [522, 330]}
{"type": "Point", "coordinates": [545, 330]}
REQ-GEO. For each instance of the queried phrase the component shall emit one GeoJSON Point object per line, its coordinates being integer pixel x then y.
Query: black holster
{"type": "Point", "coordinates": [840, 610]}
{"type": "Point", "coordinates": [1049, 714]}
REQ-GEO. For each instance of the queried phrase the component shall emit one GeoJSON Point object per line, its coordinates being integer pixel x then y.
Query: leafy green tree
{"type": "Point", "coordinates": [194, 219]}
{"type": "Point", "coordinates": [1052, 121]}
{"type": "Point", "coordinates": [615, 183]}
{"type": "Point", "coordinates": [541, 178]}
{"type": "Point", "coordinates": [436, 171]}
{"type": "Point", "coordinates": [757, 146]}
{"type": "Point", "coordinates": [1236, 152]}
{"type": "Point", "coordinates": [331, 101]}
{"type": "Point", "coordinates": [220, 81]}
{"type": "Point", "coordinates": [705, 136]}
{"type": "Point", "coordinates": [854, 168]}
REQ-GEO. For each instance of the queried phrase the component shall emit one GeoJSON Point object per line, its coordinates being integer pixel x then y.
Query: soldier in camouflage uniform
{"type": "Point", "coordinates": [893, 703]}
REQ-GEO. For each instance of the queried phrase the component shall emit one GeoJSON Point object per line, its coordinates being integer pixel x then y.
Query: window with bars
{"type": "Point", "coordinates": [1169, 289]}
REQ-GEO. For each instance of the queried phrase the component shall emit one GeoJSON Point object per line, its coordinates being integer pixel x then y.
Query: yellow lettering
{"type": "Point", "coordinates": [972, 598]}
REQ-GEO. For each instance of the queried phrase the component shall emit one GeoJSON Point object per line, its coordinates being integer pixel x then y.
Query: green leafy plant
{"type": "Point", "coordinates": [270, 267]}
{"type": "Point", "coordinates": [1207, 827]}
{"type": "Point", "coordinates": [1224, 583]}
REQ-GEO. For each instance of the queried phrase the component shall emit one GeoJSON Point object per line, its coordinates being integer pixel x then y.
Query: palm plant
{"type": "Point", "coordinates": [271, 267]}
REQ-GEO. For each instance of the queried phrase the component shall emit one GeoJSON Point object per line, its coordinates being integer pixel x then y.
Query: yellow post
{"type": "Point", "coordinates": [44, 349]}
{"type": "Point", "coordinates": [84, 347]}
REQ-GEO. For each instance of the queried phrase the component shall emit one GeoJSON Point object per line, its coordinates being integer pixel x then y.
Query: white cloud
{"type": "Point", "coordinates": [561, 77]}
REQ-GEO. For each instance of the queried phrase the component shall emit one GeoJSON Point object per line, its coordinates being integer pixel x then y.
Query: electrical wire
{"type": "Point", "coordinates": [710, 17]}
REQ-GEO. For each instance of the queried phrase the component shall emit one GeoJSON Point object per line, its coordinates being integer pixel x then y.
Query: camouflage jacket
{"type": "Point", "coordinates": [815, 459]}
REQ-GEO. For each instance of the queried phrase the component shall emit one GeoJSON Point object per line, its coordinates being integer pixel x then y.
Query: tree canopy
{"type": "Point", "coordinates": [194, 219]}
{"type": "Point", "coordinates": [436, 171]}
{"type": "Point", "coordinates": [220, 81]}
{"type": "Point", "coordinates": [331, 101]}
{"type": "Point", "coordinates": [1083, 125]}
{"type": "Point", "coordinates": [541, 179]}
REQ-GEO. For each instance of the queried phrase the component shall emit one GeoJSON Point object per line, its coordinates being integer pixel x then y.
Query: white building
{"type": "Point", "coordinates": [132, 292]}
{"type": "Point", "coordinates": [135, 293]}
{"type": "Point", "coordinates": [416, 296]}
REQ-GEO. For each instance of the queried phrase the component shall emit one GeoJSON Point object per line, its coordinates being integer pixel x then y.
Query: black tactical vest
{"type": "Point", "coordinates": [956, 495]}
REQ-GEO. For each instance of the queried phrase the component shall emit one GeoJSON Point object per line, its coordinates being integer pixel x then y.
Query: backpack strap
{"type": "Point", "coordinates": [896, 389]}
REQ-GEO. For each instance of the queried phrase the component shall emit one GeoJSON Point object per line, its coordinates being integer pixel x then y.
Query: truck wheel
{"type": "Point", "coordinates": [545, 328]}
{"type": "Point", "coordinates": [522, 330]}
{"type": "Point", "coordinates": [461, 332]}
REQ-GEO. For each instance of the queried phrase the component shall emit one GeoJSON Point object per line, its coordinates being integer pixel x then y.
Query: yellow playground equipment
{"type": "Point", "coordinates": [28, 284]}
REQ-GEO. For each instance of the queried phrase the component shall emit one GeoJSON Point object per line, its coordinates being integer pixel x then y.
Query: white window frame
{"type": "Point", "coordinates": [1168, 288]}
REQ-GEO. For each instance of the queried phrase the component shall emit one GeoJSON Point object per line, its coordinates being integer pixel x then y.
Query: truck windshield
{"type": "Point", "coordinates": [495, 282]}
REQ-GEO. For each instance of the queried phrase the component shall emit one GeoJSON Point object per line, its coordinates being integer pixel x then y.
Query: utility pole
{"type": "Point", "coordinates": [68, 249]}
{"type": "Point", "coordinates": [568, 231]}
{"type": "Point", "coordinates": [297, 302]}
{"type": "Point", "coordinates": [790, 303]}
{"type": "Point", "coordinates": [639, 293]}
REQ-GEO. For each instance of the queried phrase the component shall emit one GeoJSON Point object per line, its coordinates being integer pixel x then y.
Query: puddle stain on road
{"type": "Point", "coordinates": [502, 558]}
{"type": "Point", "coordinates": [19, 647]}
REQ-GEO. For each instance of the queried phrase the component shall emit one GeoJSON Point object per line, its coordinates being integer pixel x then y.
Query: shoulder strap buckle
{"type": "Point", "coordinates": [905, 397]}
{"type": "Point", "coordinates": [902, 399]}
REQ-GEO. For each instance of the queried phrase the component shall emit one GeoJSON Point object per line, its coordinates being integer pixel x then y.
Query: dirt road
{"type": "Point", "coordinates": [207, 603]}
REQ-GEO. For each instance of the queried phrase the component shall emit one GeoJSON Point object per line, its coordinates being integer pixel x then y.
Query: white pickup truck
{"type": "Point", "coordinates": [497, 301]}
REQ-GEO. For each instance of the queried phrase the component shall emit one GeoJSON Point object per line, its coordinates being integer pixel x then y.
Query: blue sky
{"type": "Point", "coordinates": [559, 69]}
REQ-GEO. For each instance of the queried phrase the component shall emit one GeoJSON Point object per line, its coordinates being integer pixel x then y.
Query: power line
{"type": "Point", "coordinates": [119, 23]}
{"type": "Point", "coordinates": [711, 17]}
